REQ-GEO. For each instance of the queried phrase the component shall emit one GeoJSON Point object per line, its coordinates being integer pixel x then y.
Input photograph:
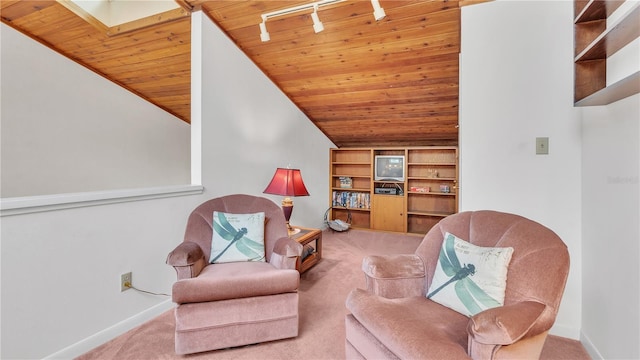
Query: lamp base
{"type": "Point", "coordinates": [287, 208]}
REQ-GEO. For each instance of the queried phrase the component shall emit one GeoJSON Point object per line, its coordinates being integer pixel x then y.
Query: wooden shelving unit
{"type": "Point", "coordinates": [595, 41]}
{"type": "Point", "coordinates": [435, 169]}
{"type": "Point", "coordinates": [355, 164]}
{"type": "Point", "coordinates": [428, 193]}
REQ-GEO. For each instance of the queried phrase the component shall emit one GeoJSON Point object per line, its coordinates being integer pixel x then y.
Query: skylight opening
{"type": "Point", "coordinates": [117, 12]}
{"type": "Point", "coordinates": [119, 16]}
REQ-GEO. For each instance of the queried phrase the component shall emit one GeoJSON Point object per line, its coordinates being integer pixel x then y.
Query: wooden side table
{"type": "Point", "coordinates": [312, 237]}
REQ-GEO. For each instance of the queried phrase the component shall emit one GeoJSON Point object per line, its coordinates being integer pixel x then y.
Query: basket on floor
{"type": "Point", "coordinates": [337, 224]}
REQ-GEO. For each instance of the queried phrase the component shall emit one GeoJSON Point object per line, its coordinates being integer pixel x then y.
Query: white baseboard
{"type": "Point", "coordinates": [112, 332]}
{"type": "Point", "coordinates": [590, 347]}
{"type": "Point", "coordinates": [565, 331]}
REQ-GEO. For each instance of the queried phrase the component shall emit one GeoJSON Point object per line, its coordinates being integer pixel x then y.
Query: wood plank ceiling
{"type": "Point", "coordinates": [362, 82]}
{"type": "Point", "coordinates": [153, 62]}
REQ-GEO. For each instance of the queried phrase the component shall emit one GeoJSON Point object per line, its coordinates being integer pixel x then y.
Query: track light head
{"type": "Point", "coordinates": [378, 11]}
{"type": "Point", "coordinates": [264, 35]}
{"type": "Point", "coordinates": [317, 24]}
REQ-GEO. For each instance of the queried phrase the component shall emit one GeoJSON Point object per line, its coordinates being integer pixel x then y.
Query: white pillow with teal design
{"type": "Point", "coordinates": [237, 237]}
{"type": "Point", "coordinates": [469, 278]}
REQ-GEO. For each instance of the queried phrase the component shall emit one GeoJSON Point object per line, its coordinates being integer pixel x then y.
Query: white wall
{"type": "Point", "coordinates": [611, 215]}
{"type": "Point", "coordinates": [250, 128]}
{"type": "Point", "coordinates": [60, 269]}
{"type": "Point", "coordinates": [516, 84]}
{"type": "Point", "coordinates": [611, 229]}
{"type": "Point", "coordinates": [66, 129]}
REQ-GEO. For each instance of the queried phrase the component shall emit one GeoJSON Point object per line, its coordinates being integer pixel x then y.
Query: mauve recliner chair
{"type": "Point", "coordinates": [393, 319]}
{"type": "Point", "coordinates": [235, 303]}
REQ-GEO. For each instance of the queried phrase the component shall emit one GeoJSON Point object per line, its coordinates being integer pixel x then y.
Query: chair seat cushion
{"type": "Point", "coordinates": [235, 280]}
{"type": "Point", "coordinates": [411, 327]}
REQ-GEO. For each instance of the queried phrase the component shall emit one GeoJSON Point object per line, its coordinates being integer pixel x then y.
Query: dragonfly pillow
{"type": "Point", "coordinates": [237, 237]}
{"type": "Point", "coordinates": [469, 278]}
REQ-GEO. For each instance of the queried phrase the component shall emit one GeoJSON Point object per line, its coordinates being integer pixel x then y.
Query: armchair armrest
{"type": "Point", "coordinates": [187, 259]}
{"type": "Point", "coordinates": [505, 325]}
{"type": "Point", "coordinates": [286, 253]}
{"type": "Point", "coordinates": [394, 276]}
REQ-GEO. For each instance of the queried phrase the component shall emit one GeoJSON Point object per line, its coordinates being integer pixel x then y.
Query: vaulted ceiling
{"type": "Point", "coordinates": [362, 82]}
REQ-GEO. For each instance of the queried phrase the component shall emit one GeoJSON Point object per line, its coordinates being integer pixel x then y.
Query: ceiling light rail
{"type": "Point", "coordinates": [378, 14]}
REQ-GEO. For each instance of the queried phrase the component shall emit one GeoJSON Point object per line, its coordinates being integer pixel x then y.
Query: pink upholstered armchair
{"type": "Point", "coordinates": [393, 319]}
{"type": "Point", "coordinates": [230, 304]}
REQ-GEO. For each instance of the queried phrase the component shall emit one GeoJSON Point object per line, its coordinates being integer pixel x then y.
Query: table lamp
{"type": "Point", "coordinates": [287, 182]}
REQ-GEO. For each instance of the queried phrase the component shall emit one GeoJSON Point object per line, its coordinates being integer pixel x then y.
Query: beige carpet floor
{"type": "Point", "coordinates": [323, 290]}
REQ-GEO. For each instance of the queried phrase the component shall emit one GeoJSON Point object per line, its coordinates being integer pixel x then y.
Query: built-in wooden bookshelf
{"type": "Point", "coordinates": [432, 184]}
{"type": "Point", "coordinates": [428, 192]}
{"type": "Point", "coordinates": [595, 41]}
{"type": "Point", "coordinates": [354, 164]}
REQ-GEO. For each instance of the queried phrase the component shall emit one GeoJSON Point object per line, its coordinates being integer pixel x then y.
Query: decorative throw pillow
{"type": "Point", "coordinates": [469, 278]}
{"type": "Point", "coordinates": [237, 237]}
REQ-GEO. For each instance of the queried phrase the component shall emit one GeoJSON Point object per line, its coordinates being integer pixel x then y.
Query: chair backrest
{"type": "Point", "coordinates": [539, 265]}
{"type": "Point", "coordinates": [200, 229]}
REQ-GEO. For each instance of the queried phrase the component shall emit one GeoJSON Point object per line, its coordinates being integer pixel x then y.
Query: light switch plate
{"type": "Point", "coordinates": [542, 146]}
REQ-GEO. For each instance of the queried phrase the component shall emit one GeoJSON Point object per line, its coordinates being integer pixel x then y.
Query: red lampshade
{"type": "Point", "coordinates": [287, 182]}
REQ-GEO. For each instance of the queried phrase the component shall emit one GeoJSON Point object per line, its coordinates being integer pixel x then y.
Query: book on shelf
{"type": "Point", "coordinates": [352, 199]}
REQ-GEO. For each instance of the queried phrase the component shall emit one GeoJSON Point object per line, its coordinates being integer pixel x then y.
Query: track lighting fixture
{"type": "Point", "coordinates": [264, 35]}
{"type": "Point", "coordinates": [317, 24]}
{"type": "Point", "coordinates": [378, 14]}
{"type": "Point", "coordinates": [378, 11]}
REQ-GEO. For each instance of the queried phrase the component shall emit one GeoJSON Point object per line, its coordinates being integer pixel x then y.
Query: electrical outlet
{"type": "Point", "coordinates": [125, 279]}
